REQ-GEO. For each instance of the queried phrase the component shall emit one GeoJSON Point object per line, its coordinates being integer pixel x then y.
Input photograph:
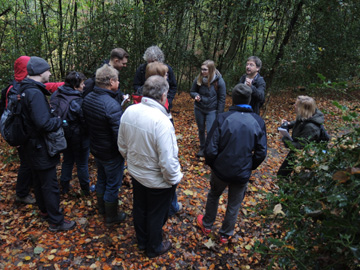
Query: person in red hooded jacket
{"type": "Point", "coordinates": [24, 179]}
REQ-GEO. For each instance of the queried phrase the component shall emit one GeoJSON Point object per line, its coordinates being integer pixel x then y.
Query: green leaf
{"type": "Point", "coordinates": [38, 250]}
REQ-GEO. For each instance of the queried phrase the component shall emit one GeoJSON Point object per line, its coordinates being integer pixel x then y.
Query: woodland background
{"type": "Point", "coordinates": [296, 39]}
{"type": "Point", "coordinates": [310, 221]}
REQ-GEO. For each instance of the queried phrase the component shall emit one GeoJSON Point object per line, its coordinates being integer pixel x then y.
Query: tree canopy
{"type": "Point", "coordinates": [296, 39]}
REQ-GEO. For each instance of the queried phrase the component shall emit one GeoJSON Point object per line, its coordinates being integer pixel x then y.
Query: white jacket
{"type": "Point", "coordinates": [147, 141]}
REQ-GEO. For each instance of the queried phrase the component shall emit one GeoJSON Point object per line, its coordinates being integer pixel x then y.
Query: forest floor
{"type": "Point", "coordinates": [26, 242]}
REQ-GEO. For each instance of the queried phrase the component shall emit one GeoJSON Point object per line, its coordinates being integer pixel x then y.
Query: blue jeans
{"type": "Point", "coordinates": [174, 206]}
{"type": "Point", "coordinates": [204, 120]}
{"type": "Point", "coordinates": [236, 194]}
{"type": "Point", "coordinates": [80, 157]}
{"type": "Point", "coordinates": [109, 178]}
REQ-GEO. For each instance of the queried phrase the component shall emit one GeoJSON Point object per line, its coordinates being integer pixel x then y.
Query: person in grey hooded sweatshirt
{"type": "Point", "coordinates": [209, 92]}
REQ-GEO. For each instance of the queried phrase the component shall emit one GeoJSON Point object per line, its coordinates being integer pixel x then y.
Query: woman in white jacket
{"type": "Point", "coordinates": [147, 141]}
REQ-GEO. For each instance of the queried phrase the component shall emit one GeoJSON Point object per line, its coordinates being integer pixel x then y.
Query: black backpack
{"type": "Point", "coordinates": [12, 123]}
{"type": "Point", "coordinates": [324, 136]}
{"type": "Point", "coordinates": [60, 104]}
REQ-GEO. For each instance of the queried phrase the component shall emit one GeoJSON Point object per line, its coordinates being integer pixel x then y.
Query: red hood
{"type": "Point", "coordinates": [20, 71]}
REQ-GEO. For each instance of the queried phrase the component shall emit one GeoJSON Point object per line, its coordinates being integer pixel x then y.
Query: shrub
{"type": "Point", "coordinates": [316, 222]}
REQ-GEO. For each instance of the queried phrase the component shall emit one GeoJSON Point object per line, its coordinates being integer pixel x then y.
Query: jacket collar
{"type": "Point", "coordinates": [39, 85]}
{"type": "Point", "coordinates": [104, 91]}
{"type": "Point", "coordinates": [154, 104]}
{"type": "Point", "coordinates": [241, 108]}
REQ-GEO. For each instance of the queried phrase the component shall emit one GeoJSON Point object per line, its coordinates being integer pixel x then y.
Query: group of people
{"type": "Point", "coordinates": [144, 135]}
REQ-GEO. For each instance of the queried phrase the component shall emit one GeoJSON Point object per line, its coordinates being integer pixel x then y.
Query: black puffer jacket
{"type": "Point", "coordinates": [236, 144]}
{"type": "Point", "coordinates": [38, 121]}
{"type": "Point", "coordinates": [305, 131]}
{"type": "Point", "coordinates": [102, 115]}
{"type": "Point", "coordinates": [258, 92]}
{"type": "Point", "coordinates": [213, 97]}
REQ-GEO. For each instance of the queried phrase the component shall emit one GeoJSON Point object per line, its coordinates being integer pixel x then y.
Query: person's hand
{"type": "Point", "coordinates": [284, 121]}
{"type": "Point", "coordinates": [198, 98]}
{"type": "Point", "coordinates": [126, 98]}
{"type": "Point", "coordinates": [248, 81]}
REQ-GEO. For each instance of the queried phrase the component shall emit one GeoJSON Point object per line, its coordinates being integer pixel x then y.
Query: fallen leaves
{"type": "Point", "coordinates": [25, 241]}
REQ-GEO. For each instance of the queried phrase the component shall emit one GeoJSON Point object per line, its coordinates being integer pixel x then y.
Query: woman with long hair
{"type": "Point", "coordinates": [209, 92]}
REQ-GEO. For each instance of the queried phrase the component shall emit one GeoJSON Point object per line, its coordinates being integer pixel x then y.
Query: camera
{"type": "Point", "coordinates": [285, 125]}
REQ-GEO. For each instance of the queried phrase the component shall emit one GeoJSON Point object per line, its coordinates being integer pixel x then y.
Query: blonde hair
{"type": "Point", "coordinates": [156, 68]}
{"type": "Point", "coordinates": [211, 66]}
{"type": "Point", "coordinates": [305, 107]}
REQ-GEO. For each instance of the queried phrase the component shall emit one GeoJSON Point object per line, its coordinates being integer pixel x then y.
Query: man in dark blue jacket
{"type": "Point", "coordinates": [257, 83]}
{"type": "Point", "coordinates": [102, 114]}
{"type": "Point", "coordinates": [38, 121]}
{"type": "Point", "coordinates": [235, 146]}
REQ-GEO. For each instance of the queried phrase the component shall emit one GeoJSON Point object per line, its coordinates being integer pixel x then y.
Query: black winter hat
{"type": "Point", "coordinates": [241, 94]}
{"type": "Point", "coordinates": [37, 66]}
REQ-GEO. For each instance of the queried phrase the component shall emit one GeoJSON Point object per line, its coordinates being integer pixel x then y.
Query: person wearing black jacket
{"type": "Point", "coordinates": [305, 129]}
{"type": "Point", "coordinates": [118, 60]}
{"type": "Point", "coordinates": [38, 121]}
{"type": "Point", "coordinates": [155, 54]}
{"type": "Point", "coordinates": [102, 114]}
{"type": "Point", "coordinates": [257, 83]}
{"type": "Point", "coordinates": [209, 93]}
{"type": "Point", "coordinates": [67, 103]}
{"type": "Point", "coordinates": [24, 178]}
{"type": "Point", "coordinates": [235, 146]}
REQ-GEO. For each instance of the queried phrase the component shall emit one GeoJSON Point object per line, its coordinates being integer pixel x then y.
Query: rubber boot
{"type": "Point", "coordinates": [112, 214]}
{"type": "Point", "coordinates": [100, 203]}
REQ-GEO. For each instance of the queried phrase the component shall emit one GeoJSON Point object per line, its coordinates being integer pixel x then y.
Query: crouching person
{"type": "Point", "coordinates": [102, 114]}
{"type": "Point", "coordinates": [148, 143]}
{"type": "Point", "coordinates": [235, 145]}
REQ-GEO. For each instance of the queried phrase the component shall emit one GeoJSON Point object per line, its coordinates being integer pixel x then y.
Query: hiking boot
{"type": "Point", "coordinates": [199, 222]}
{"type": "Point", "coordinates": [28, 199]}
{"type": "Point", "coordinates": [200, 153]}
{"type": "Point", "coordinates": [224, 239]}
{"type": "Point", "coordinates": [65, 226]}
{"type": "Point", "coordinates": [112, 214]}
{"type": "Point", "coordinates": [165, 247]}
{"type": "Point", "coordinates": [100, 203]}
{"type": "Point", "coordinates": [44, 216]}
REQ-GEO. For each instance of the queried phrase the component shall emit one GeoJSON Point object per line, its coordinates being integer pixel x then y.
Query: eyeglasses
{"type": "Point", "coordinates": [204, 69]}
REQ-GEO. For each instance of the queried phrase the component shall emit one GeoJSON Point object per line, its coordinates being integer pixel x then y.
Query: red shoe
{"type": "Point", "coordinates": [199, 221]}
{"type": "Point", "coordinates": [224, 239]}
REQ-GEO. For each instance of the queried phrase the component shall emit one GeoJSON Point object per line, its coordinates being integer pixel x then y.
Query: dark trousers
{"type": "Point", "coordinates": [287, 167]}
{"type": "Point", "coordinates": [47, 194]}
{"type": "Point", "coordinates": [150, 212]}
{"type": "Point", "coordinates": [80, 156]}
{"type": "Point", "coordinates": [109, 178]}
{"type": "Point", "coordinates": [236, 195]}
{"type": "Point", "coordinates": [24, 179]}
